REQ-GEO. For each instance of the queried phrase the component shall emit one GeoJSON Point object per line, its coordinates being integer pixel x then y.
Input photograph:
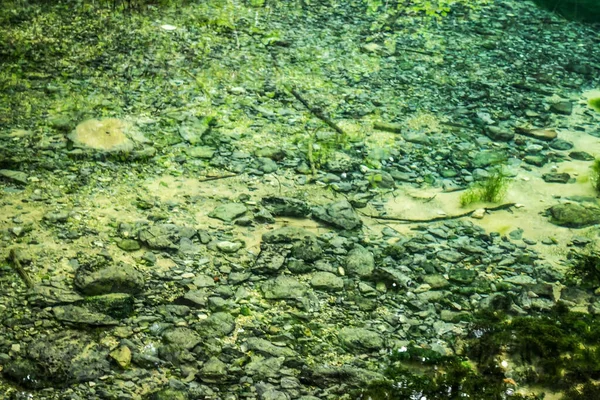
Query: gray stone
{"type": "Point", "coordinates": [499, 134]}
{"type": "Point", "coordinates": [56, 216]}
{"type": "Point", "coordinates": [203, 152]}
{"type": "Point", "coordinates": [462, 275]}
{"type": "Point", "coordinates": [267, 165]}
{"type": "Point", "coordinates": [450, 256]}
{"type": "Point", "coordinates": [116, 305]}
{"type": "Point", "coordinates": [265, 347]}
{"type": "Point", "coordinates": [360, 339]}
{"type": "Point", "coordinates": [520, 280]}
{"type": "Point", "coordinates": [338, 161]}
{"type": "Point", "coordinates": [262, 368]}
{"type": "Point", "coordinates": [287, 234]}
{"type": "Point", "coordinates": [436, 281]}
{"type": "Point", "coordinates": [562, 107]}
{"type": "Point", "coordinates": [284, 287]}
{"type": "Point", "coordinates": [229, 247]}
{"type": "Point", "coordinates": [182, 337]}
{"type": "Point", "coordinates": [581, 156]}
{"type": "Point", "coordinates": [327, 281]}
{"type": "Point", "coordinates": [228, 212]}
{"type": "Point", "coordinates": [217, 325]}
{"type": "Point", "coordinates": [560, 144]}
{"type": "Point", "coordinates": [308, 249]}
{"type": "Point", "coordinates": [165, 236]}
{"type": "Point", "coordinates": [552, 177]}
{"type": "Point", "coordinates": [360, 262]}
{"type": "Point", "coordinates": [486, 158]}
{"type": "Point", "coordinates": [537, 160]}
{"type": "Point", "coordinates": [417, 137]}
{"type": "Point", "coordinates": [286, 206]}
{"type": "Point", "coordinates": [273, 394]}
{"type": "Point", "coordinates": [43, 296]}
{"type": "Point", "coordinates": [128, 244]}
{"type": "Point", "coordinates": [392, 277]}
{"type": "Point", "coordinates": [339, 214]}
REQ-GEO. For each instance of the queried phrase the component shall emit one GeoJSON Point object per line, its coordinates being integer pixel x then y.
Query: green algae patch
{"type": "Point", "coordinates": [556, 351]}
{"type": "Point", "coordinates": [594, 103]}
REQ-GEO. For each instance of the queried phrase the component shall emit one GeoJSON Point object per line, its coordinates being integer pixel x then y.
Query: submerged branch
{"type": "Point", "coordinates": [317, 112]}
{"type": "Point", "coordinates": [506, 206]}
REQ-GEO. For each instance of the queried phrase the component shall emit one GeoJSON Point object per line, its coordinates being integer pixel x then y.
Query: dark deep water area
{"type": "Point", "coordinates": [299, 200]}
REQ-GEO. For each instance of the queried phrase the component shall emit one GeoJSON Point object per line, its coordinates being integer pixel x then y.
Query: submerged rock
{"type": "Point", "coordinates": [339, 214]}
{"type": "Point", "coordinates": [573, 215]}
{"type": "Point", "coordinates": [106, 135]}
{"type": "Point", "coordinates": [121, 278]}
{"type": "Point", "coordinates": [59, 359]}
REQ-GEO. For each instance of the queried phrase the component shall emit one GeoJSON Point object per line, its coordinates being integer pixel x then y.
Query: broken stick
{"type": "Point", "coordinates": [317, 112]}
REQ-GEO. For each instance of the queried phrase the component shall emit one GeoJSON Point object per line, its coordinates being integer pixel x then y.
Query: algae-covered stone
{"type": "Point", "coordinates": [117, 305]}
{"type": "Point", "coordinates": [284, 287]}
{"type": "Point", "coordinates": [106, 135]}
{"type": "Point", "coordinates": [286, 206]}
{"type": "Point", "coordinates": [360, 262]}
{"type": "Point", "coordinates": [360, 339]}
{"type": "Point", "coordinates": [287, 234]}
{"type": "Point", "coordinates": [59, 359]}
{"type": "Point", "coordinates": [182, 337]}
{"type": "Point", "coordinates": [82, 316]}
{"type": "Point", "coordinates": [122, 356]}
{"type": "Point", "coordinates": [339, 214]}
{"type": "Point", "coordinates": [128, 244]}
{"type": "Point", "coordinates": [488, 157]}
{"type": "Point", "coordinates": [165, 236]}
{"type": "Point", "coordinates": [228, 212]}
{"type": "Point", "coordinates": [217, 325]}
{"type": "Point", "coordinates": [121, 278]}
{"type": "Point", "coordinates": [327, 281]}
{"type": "Point", "coordinates": [574, 215]}
{"type": "Point", "coordinates": [15, 176]}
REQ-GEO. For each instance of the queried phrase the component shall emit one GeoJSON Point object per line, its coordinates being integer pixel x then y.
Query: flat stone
{"type": "Point", "coordinates": [556, 177]}
{"type": "Point", "coordinates": [574, 215]}
{"type": "Point", "coordinates": [541, 134]}
{"type": "Point", "coordinates": [327, 281]}
{"type": "Point", "coordinates": [581, 156]}
{"type": "Point", "coordinates": [562, 107]}
{"type": "Point", "coordinates": [360, 262]}
{"type": "Point", "coordinates": [228, 212]}
{"type": "Point", "coordinates": [15, 176]}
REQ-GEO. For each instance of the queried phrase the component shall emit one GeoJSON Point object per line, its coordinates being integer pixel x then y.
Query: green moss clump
{"type": "Point", "coordinates": [595, 174]}
{"type": "Point", "coordinates": [595, 103]}
{"type": "Point", "coordinates": [439, 377]}
{"type": "Point", "coordinates": [585, 268]}
{"type": "Point", "coordinates": [492, 189]}
{"type": "Point", "coordinates": [558, 350]}
{"type": "Point", "coordinates": [581, 10]}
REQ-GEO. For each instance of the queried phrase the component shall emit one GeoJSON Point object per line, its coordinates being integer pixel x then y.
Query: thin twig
{"type": "Point", "coordinates": [443, 218]}
{"type": "Point", "coordinates": [317, 112]}
{"type": "Point", "coordinates": [215, 178]}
